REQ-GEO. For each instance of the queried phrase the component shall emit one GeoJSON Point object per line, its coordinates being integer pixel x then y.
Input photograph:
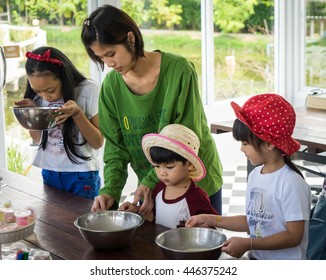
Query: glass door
{"type": "Point", "coordinates": [315, 59]}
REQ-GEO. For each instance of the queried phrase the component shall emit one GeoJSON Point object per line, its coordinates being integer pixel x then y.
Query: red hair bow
{"type": "Point", "coordinates": [45, 57]}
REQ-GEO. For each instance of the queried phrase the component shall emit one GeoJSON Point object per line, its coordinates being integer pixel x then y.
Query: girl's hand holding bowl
{"type": "Point", "coordinates": [69, 109]}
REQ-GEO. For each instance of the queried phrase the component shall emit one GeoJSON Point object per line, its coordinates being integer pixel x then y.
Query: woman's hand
{"type": "Point", "coordinates": [129, 207]}
{"type": "Point", "coordinates": [26, 102]}
{"type": "Point", "coordinates": [145, 194]}
{"type": "Point", "coordinates": [102, 202]}
{"type": "Point", "coordinates": [69, 109]}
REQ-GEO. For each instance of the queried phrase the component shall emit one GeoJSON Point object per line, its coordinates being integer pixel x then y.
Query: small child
{"type": "Point", "coordinates": [173, 153]}
{"type": "Point", "coordinates": [278, 198]}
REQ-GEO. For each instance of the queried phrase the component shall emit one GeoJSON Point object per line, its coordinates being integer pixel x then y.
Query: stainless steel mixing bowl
{"type": "Point", "coordinates": [36, 118]}
{"type": "Point", "coordinates": [191, 243]}
{"type": "Point", "coordinates": [109, 230]}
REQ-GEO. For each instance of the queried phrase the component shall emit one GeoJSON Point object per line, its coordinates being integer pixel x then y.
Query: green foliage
{"type": "Point", "coordinates": [67, 10]}
{"type": "Point", "coordinates": [17, 19]}
{"type": "Point", "coordinates": [153, 13]}
{"type": "Point", "coordinates": [136, 10]}
{"type": "Point", "coordinates": [48, 11]}
{"type": "Point", "coordinates": [163, 14]}
{"type": "Point", "coordinates": [262, 19]}
{"type": "Point", "coordinates": [316, 8]}
{"type": "Point", "coordinates": [230, 15]}
{"type": "Point", "coordinates": [16, 159]}
{"type": "Point", "coordinates": [191, 14]}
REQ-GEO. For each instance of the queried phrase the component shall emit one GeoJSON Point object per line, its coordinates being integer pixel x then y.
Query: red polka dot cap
{"type": "Point", "coordinates": [271, 118]}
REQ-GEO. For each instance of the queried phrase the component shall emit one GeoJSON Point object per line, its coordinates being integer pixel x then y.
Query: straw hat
{"type": "Point", "coordinates": [271, 118]}
{"type": "Point", "coordinates": [181, 140]}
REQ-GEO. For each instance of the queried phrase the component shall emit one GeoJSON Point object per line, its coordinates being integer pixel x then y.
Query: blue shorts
{"type": "Point", "coordinates": [85, 184]}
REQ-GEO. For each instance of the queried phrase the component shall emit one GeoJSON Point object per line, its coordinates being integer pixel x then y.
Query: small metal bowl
{"type": "Point", "coordinates": [191, 243]}
{"type": "Point", "coordinates": [109, 230]}
{"type": "Point", "coordinates": [36, 118]}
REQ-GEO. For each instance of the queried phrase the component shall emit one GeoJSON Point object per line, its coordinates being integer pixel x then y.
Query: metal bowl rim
{"type": "Point", "coordinates": [36, 107]}
{"type": "Point", "coordinates": [142, 219]}
{"type": "Point", "coordinates": [182, 251]}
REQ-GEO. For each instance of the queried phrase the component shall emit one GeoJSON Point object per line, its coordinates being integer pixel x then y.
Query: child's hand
{"type": "Point", "coordinates": [129, 207]}
{"type": "Point", "coordinates": [69, 109]}
{"type": "Point", "coordinates": [236, 246]}
{"type": "Point", "coordinates": [202, 220]}
{"type": "Point", "coordinates": [26, 102]}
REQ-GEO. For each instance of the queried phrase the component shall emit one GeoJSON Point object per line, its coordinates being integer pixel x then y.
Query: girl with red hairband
{"type": "Point", "coordinates": [278, 198]}
{"type": "Point", "coordinates": [67, 154]}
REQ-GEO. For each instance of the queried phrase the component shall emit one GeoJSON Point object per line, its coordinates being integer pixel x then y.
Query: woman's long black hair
{"type": "Point", "coordinates": [70, 78]}
{"type": "Point", "coordinates": [241, 132]}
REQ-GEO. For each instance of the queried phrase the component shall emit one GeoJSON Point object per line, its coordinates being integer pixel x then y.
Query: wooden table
{"type": "Point", "coordinates": [310, 131]}
{"type": "Point", "coordinates": [55, 230]}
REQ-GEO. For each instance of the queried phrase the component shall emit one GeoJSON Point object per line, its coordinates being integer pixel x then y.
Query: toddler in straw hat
{"type": "Point", "coordinates": [174, 154]}
{"type": "Point", "coordinates": [278, 198]}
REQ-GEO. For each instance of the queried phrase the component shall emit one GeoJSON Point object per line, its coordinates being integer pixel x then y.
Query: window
{"type": "Point", "coordinates": [243, 48]}
{"type": "Point", "coordinates": [315, 59]}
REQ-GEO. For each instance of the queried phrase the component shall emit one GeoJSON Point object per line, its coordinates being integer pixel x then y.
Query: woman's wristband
{"type": "Point", "coordinates": [218, 219]}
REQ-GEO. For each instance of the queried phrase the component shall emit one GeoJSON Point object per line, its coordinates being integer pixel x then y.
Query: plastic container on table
{"type": "Point", "coordinates": [19, 233]}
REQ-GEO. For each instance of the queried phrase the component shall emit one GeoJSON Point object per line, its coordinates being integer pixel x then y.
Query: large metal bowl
{"type": "Point", "coordinates": [191, 243]}
{"type": "Point", "coordinates": [36, 118]}
{"type": "Point", "coordinates": [109, 230]}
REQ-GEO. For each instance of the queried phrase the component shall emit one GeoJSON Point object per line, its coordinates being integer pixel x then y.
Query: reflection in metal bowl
{"type": "Point", "coordinates": [108, 230]}
{"type": "Point", "coordinates": [191, 243]}
{"type": "Point", "coordinates": [36, 118]}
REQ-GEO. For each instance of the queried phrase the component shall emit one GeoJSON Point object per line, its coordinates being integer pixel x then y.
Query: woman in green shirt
{"type": "Point", "coordinates": [145, 92]}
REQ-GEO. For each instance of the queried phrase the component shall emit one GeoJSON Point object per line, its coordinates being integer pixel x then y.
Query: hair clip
{"type": "Point", "coordinates": [87, 22]}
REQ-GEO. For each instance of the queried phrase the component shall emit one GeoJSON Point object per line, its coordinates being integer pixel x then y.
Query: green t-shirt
{"type": "Point", "coordinates": [125, 117]}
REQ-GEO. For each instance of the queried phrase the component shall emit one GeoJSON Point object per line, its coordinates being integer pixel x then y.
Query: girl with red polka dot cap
{"type": "Point", "coordinates": [277, 196]}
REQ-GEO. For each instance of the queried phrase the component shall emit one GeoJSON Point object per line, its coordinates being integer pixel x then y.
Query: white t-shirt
{"type": "Point", "coordinates": [54, 157]}
{"type": "Point", "coordinates": [272, 200]}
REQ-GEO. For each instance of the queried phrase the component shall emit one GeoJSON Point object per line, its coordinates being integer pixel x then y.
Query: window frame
{"type": "Point", "coordinates": [290, 33]}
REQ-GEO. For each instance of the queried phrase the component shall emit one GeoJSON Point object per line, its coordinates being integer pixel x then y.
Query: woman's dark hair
{"type": "Point", "coordinates": [161, 155]}
{"type": "Point", "coordinates": [70, 78]}
{"type": "Point", "coordinates": [241, 132]}
{"type": "Point", "coordinates": [109, 25]}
